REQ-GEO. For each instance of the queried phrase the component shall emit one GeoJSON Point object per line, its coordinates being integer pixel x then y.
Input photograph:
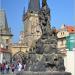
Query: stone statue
{"type": "Point", "coordinates": [44, 18]}
{"type": "Point", "coordinates": [44, 56]}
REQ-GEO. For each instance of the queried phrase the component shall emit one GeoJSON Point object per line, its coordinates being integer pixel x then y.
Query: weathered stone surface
{"type": "Point", "coordinates": [43, 73]}
{"type": "Point", "coordinates": [44, 56]}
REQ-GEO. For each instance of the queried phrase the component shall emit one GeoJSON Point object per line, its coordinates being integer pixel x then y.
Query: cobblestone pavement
{"type": "Point", "coordinates": [10, 73]}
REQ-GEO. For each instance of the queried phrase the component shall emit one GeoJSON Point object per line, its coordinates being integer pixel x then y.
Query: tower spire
{"type": "Point", "coordinates": [34, 5]}
{"type": "Point", "coordinates": [24, 11]}
{"type": "Point", "coordinates": [0, 4]}
{"type": "Point", "coordinates": [3, 23]}
{"type": "Point", "coordinates": [24, 14]}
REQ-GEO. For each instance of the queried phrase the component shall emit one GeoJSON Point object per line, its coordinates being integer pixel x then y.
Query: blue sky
{"type": "Point", "coordinates": [62, 12]}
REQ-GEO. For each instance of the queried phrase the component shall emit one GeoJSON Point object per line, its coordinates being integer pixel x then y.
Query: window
{"type": "Point", "coordinates": [6, 47]}
{"type": "Point", "coordinates": [7, 41]}
{"type": "Point", "coordinates": [61, 42]}
{"type": "Point", "coordinates": [63, 33]}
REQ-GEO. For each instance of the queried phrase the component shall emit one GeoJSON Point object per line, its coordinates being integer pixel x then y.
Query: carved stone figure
{"type": "Point", "coordinates": [44, 56]}
{"type": "Point", "coordinates": [44, 3]}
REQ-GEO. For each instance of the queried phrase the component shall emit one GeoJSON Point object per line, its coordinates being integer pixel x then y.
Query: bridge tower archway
{"type": "Point", "coordinates": [19, 56]}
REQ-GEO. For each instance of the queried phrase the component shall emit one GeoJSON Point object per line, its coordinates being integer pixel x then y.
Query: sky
{"type": "Point", "coordinates": [62, 12]}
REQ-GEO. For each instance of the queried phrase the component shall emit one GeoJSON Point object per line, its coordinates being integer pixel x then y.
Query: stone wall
{"type": "Point", "coordinates": [43, 73]}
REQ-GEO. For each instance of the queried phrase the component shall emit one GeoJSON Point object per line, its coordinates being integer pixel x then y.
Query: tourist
{"type": "Point", "coordinates": [3, 68]}
{"type": "Point", "coordinates": [24, 67]}
{"type": "Point", "coordinates": [0, 67]}
{"type": "Point", "coordinates": [13, 68]}
{"type": "Point", "coordinates": [7, 67]}
{"type": "Point", "coordinates": [19, 66]}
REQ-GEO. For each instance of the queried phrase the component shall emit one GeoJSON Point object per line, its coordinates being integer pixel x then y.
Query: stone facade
{"type": "Point", "coordinates": [66, 37]}
{"type": "Point", "coordinates": [32, 29]}
{"type": "Point", "coordinates": [62, 34]}
{"type": "Point", "coordinates": [16, 47]}
{"type": "Point", "coordinates": [5, 38]}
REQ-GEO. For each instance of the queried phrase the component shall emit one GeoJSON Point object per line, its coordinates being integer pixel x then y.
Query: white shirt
{"type": "Point", "coordinates": [19, 67]}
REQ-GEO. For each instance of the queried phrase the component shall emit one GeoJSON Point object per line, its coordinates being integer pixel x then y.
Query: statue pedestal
{"type": "Point", "coordinates": [43, 73]}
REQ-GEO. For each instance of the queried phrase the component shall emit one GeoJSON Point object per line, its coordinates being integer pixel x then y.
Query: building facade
{"type": "Point", "coordinates": [66, 45]}
{"type": "Point", "coordinates": [5, 38]}
{"type": "Point", "coordinates": [32, 31]}
{"type": "Point", "coordinates": [31, 23]}
{"type": "Point", "coordinates": [70, 58]}
{"type": "Point", "coordinates": [62, 34]}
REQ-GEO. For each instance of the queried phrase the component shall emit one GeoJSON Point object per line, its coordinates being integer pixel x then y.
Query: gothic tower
{"type": "Point", "coordinates": [31, 22]}
{"type": "Point", "coordinates": [4, 29]}
{"type": "Point", "coordinates": [34, 5]}
{"type": "Point", "coordinates": [5, 37]}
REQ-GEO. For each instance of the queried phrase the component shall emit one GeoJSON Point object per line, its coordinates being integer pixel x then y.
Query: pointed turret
{"type": "Point", "coordinates": [34, 5]}
{"type": "Point", "coordinates": [24, 14]}
{"type": "Point", "coordinates": [24, 11]}
{"type": "Point", "coordinates": [5, 38]}
{"type": "Point", "coordinates": [5, 30]}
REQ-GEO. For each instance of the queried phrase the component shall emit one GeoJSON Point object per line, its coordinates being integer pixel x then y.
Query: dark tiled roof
{"type": "Point", "coordinates": [34, 5]}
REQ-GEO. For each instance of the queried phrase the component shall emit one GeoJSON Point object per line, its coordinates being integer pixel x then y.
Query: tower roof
{"type": "Point", "coordinates": [34, 5]}
{"type": "Point", "coordinates": [70, 29]}
{"type": "Point", "coordinates": [3, 23]}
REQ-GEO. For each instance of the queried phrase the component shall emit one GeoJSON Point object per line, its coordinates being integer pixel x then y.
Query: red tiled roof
{"type": "Point", "coordinates": [70, 29]}
{"type": "Point", "coordinates": [55, 30]}
{"type": "Point", "coordinates": [3, 50]}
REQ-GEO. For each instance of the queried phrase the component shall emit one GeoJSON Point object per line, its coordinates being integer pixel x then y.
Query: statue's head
{"type": "Point", "coordinates": [44, 3]}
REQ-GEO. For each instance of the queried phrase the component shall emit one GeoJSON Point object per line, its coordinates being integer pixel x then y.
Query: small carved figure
{"type": "Point", "coordinates": [44, 3]}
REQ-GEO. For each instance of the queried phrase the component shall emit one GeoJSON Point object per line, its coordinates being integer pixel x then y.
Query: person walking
{"type": "Point", "coordinates": [19, 67]}
{"type": "Point", "coordinates": [13, 68]}
{"type": "Point", "coordinates": [24, 67]}
{"type": "Point", "coordinates": [7, 67]}
{"type": "Point", "coordinates": [3, 68]}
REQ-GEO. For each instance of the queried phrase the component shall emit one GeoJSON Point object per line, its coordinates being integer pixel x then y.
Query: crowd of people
{"type": "Point", "coordinates": [7, 68]}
